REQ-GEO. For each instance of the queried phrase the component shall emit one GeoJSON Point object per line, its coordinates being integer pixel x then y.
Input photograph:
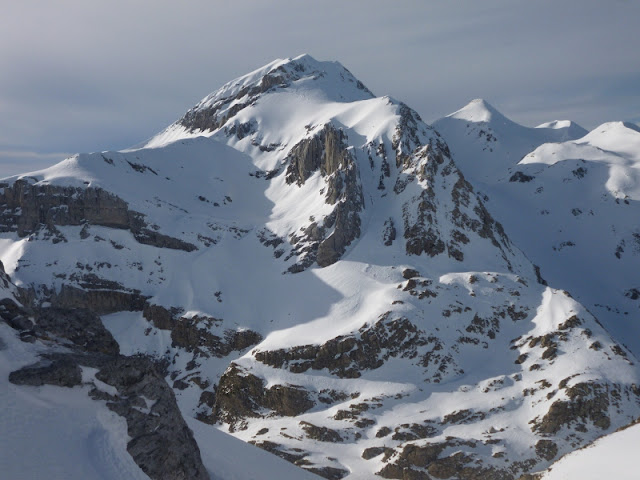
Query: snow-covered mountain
{"type": "Point", "coordinates": [571, 204]}
{"type": "Point", "coordinates": [309, 270]}
{"type": "Point", "coordinates": [485, 143]}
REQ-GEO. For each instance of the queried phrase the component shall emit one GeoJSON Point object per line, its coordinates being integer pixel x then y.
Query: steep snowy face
{"type": "Point", "coordinates": [321, 280]}
{"type": "Point", "coordinates": [485, 143]}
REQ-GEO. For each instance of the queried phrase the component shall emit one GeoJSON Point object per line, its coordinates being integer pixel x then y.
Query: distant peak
{"type": "Point", "coordinates": [567, 129]}
{"type": "Point", "coordinates": [477, 110]}
{"type": "Point", "coordinates": [616, 126]}
{"type": "Point", "coordinates": [480, 102]}
{"type": "Point", "coordinates": [555, 124]}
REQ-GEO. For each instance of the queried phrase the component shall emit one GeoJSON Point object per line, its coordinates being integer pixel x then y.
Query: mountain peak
{"type": "Point", "coordinates": [326, 81]}
{"type": "Point", "coordinates": [477, 110]}
{"type": "Point", "coordinates": [611, 130]}
{"type": "Point", "coordinates": [557, 124]}
{"type": "Point", "coordinates": [564, 129]}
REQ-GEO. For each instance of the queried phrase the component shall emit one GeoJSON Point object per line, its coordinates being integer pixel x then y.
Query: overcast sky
{"type": "Point", "coordinates": [76, 76]}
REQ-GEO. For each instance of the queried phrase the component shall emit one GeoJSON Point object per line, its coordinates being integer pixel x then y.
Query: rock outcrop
{"type": "Point", "coordinates": [241, 395]}
{"type": "Point", "coordinates": [195, 334]}
{"type": "Point", "coordinates": [348, 356]}
{"type": "Point", "coordinates": [28, 208]}
{"type": "Point", "coordinates": [161, 443]}
{"type": "Point", "coordinates": [327, 151]}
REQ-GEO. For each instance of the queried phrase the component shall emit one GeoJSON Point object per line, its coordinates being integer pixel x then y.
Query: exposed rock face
{"type": "Point", "coordinates": [347, 356]}
{"type": "Point", "coordinates": [58, 370]}
{"type": "Point", "coordinates": [409, 273]}
{"type": "Point", "coordinates": [327, 151]}
{"type": "Point", "coordinates": [372, 452]}
{"type": "Point", "coordinates": [406, 139]}
{"type": "Point", "coordinates": [100, 296]}
{"type": "Point", "coordinates": [298, 456]}
{"type": "Point", "coordinates": [15, 315]}
{"type": "Point", "coordinates": [389, 233]}
{"type": "Point", "coordinates": [194, 334]}
{"type": "Point", "coordinates": [426, 461]}
{"type": "Point", "coordinates": [587, 402]}
{"type": "Point", "coordinates": [242, 395]}
{"type": "Point", "coordinates": [161, 317]}
{"type": "Point", "coordinates": [161, 443]}
{"type": "Point", "coordinates": [54, 205]}
{"type": "Point", "coordinates": [321, 434]}
{"type": "Point", "coordinates": [72, 316]}
{"type": "Point", "coordinates": [422, 215]}
{"type": "Point", "coordinates": [428, 217]}
{"type": "Point", "coordinates": [214, 116]}
{"type": "Point", "coordinates": [331, 473]}
{"type": "Point", "coordinates": [520, 177]}
{"type": "Point", "coordinates": [28, 208]}
{"type": "Point", "coordinates": [546, 449]}
{"type": "Point", "coordinates": [80, 326]}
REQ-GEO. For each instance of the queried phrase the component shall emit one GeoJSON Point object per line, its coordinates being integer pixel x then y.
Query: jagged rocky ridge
{"type": "Point", "coordinates": [349, 304]}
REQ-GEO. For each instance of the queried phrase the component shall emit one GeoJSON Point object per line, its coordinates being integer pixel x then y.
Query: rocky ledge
{"type": "Point", "coordinates": [28, 208]}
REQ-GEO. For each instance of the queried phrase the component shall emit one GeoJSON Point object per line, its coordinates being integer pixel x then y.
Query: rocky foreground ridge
{"type": "Point", "coordinates": [304, 266]}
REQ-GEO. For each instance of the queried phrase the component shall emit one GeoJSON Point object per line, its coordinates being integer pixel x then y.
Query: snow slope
{"type": "Point", "coordinates": [610, 457]}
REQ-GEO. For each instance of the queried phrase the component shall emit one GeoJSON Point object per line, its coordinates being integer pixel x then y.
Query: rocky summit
{"type": "Point", "coordinates": [317, 272]}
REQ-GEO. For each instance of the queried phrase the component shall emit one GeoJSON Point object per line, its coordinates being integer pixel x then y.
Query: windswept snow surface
{"type": "Point", "coordinates": [614, 456]}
